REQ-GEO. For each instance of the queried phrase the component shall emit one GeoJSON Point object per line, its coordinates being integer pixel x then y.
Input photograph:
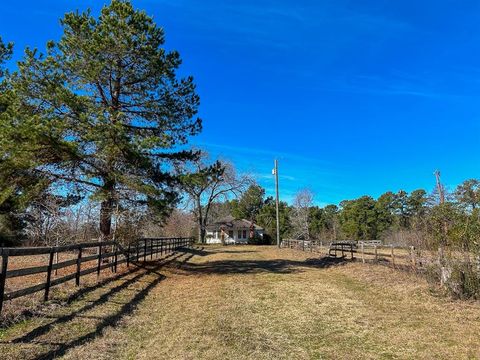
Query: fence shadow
{"type": "Point", "coordinates": [147, 272]}
{"type": "Point", "coordinates": [82, 291]}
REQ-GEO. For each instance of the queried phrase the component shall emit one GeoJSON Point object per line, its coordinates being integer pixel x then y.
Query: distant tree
{"type": "Point", "coordinates": [220, 209]}
{"type": "Point", "coordinates": [267, 218]}
{"type": "Point", "coordinates": [100, 113]}
{"type": "Point", "coordinates": [206, 184]}
{"type": "Point", "coordinates": [179, 223]}
{"type": "Point", "coordinates": [401, 208]}
{"type": "Point", "coordinates": [468, 194]}
{"type": "Point", "coordinates": [249, 204]}
{"type": "Point", "coordinates": [358, 218]}
{"type": "Point", "coordinates": [385, 209]}
{"type": "Point", "coordinates": [300, 214]}
{"type": "Point", "coordinates": [416, 203]}
{"type": "Point", "coordinates": [332, 220]}
{"type": "Point", "coordinates": [317, 222]}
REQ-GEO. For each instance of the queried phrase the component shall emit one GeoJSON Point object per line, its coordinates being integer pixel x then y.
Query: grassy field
{"type": "Point", "coordinates": [249, 302]}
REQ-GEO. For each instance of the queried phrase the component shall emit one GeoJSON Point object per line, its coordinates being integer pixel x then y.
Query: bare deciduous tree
{"type": "Point", "coordinates": [205, 184]}
{"type": "Point", "coordinates": [300, 216]}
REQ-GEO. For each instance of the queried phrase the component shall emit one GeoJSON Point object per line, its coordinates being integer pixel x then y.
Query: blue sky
{"type": "Point", "coordinates": [352, 97]}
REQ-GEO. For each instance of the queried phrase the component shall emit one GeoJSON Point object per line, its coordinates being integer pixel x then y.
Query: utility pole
{"type": "Point", "coordinates": [275, 172]}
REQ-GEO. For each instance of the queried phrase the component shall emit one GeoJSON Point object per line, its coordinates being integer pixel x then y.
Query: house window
{"type": "Point", "coordinates": [239, 234]}
{"type": "Point", "coordinates": [244, 234]}
{"type": "Point", "coordinates": [230, 234]}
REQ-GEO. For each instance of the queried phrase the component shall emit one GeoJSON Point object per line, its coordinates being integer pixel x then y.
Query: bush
{"type": "Point", "coordinates": [258, 240]}
{"type": "Point", "coordinates": [463, 279]}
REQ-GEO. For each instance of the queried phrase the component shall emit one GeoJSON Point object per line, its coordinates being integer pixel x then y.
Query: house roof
{"type": "Point", "coordinates": [231, 222]}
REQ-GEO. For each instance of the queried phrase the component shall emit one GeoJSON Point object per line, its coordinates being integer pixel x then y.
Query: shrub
{"type": "Point", "coordinates": [463, 279]}
{"type": "Point", "coordinates": [258, 240]}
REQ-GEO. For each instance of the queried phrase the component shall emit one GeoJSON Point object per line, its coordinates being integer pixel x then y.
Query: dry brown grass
{"type": "Point", "coordinates": [14, 310]}
{"type": "Point", "coordinates": [249, 302]}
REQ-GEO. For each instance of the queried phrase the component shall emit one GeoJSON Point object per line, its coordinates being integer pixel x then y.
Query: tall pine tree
{"type": "Point", "coordinates": [102, 111]}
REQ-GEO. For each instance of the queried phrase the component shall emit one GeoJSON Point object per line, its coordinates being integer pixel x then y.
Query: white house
{"type": "Point", "coordinates": [230, 230]}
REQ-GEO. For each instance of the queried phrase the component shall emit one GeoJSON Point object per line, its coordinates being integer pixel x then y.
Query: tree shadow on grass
{"type": "Point", "coordinates": [144, 271]}
{"type": "Point", "coordinates": [278, 266]}
{"type": "Point", "coordinates": [217, 250]}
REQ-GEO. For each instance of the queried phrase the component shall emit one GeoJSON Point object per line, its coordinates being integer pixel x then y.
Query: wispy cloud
{"type": "Point", "coordinates": [283, 24]}
{"type": "Point", "coordinates": [398, 83]}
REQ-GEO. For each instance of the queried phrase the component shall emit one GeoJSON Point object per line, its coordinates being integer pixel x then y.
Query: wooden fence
{"type": "Point", "coordinates": [108, 254]}
{"type": "Point", "coordinates": [406, 257]}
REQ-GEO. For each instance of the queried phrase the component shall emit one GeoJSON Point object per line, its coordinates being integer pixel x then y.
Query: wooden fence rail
{"type": "Point", "coordinates": [109, 254]}
{"type": "Point", "coordinates": [407, 257]}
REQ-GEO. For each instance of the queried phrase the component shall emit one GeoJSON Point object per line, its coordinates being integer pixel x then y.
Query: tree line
{"type": "Point", "coordinates": [417, 218]}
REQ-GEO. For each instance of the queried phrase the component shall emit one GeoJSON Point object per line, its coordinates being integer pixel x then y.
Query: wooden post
{"type": "Point", "coordinates": [343, 255]}
{"type": "Point", "coordinates": [56, 259]}
{"type": "Point", "coordinates": [3, 277]}
{"type": "Point", "coordinates": [363, 253]}
{"type": "Point", "coordinates": [128, 255]}
{"type": "Point", "coordinates": [99, 259]}
{"type": "Point", "coordinates": [115, 259]}
{"type": "Point", "coordinates": [79, 265]}
{"type": "Point", "coordinates": [393, 257]}
{"type": "Point", "coordinates": [49, 274]}
{"type": "Point", "coordinates": [303, 245]}
{"type": "Point", "coordinates": [412, 255]}
{"type": "Point", "coordinates": [138, 251]}
{"type": "Point", "coordinates": [351, 250]}
{"type": "Point", "coordinates": [151, 249]}
{"type": "Point", "coordinates": [144, 250]}
{"type": "Point", "coordinates": [376, 252]}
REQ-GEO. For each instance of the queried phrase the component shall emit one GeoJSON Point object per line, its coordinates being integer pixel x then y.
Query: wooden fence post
{"type": "Point", "coordinates": [115, 257]}
{"type": "Point", "coordinates": [412, 255]}
{"type": "Point", "coordinates": [144, 250]}
{"type": "Point", "coordinates": [393, 257]}
{"type": "Point", "coordinates": [79, 265]}
{"type": "Point", "coordinates": [128, 255]}
{"type": "Point", "coordinates": [99, 259]}
{"type": "Point", "coordinates": [376, 252]}
{"type": "Point", "coordinates": [49, 274]}
{"type": "Point", "coordinates": [363, 253]}
{"type": "Point", "coordinates": [351, 250]}
{"type": "Point", "coordinates": [138, 251]}
{"type": "Point", "coordinates": [3, 277]}
{"type": "Point", "coordinates": [151, 249]}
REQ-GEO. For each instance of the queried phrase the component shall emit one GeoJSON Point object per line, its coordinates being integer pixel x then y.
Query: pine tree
{"type": "Point", "coordinates": [102, 111]}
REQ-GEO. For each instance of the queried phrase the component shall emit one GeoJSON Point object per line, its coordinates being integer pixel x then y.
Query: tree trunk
{"type": "Point", "coordinates": [106, 211]}
{"type": "Point", "coordinates": [202, 234]}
